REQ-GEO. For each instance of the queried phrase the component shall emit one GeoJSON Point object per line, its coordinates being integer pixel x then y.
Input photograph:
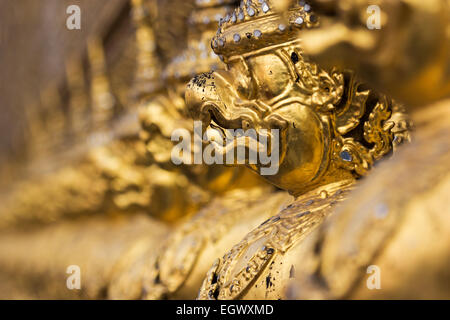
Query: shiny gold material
{"type": "Point", "coordinates": [177, 268]}
{"type": "Point", "coordinates": [273, 87]}
{"type": "Point", "coordinates": [404, 233]}
{"type": "Point", "coordinates": [333, 129]}
{"type": "Point", "coordinates": [100, 189]}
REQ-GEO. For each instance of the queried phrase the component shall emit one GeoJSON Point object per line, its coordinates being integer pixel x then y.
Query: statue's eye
{"type": "Point", "coordinates": [245, 124]}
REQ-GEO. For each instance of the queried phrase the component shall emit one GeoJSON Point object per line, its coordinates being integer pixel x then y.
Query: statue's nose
{"type": "Point", "coordinates": [200, 90]}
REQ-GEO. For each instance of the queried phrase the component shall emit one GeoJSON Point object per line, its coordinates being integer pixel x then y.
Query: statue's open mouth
{"type": "Point", "coordinates": [233, 124]}
{"type": "Point", "coordinates": [241, 136]}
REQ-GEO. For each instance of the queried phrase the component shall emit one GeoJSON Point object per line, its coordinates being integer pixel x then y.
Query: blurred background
{"type": "Point", "coordinates": [62, 199]}
{"type": "Point", "coordinates": [34, 43]}
{"type": "Point", "coordinates": [35, 46]}
{"type": "Point", "coordinates": [58, 88]}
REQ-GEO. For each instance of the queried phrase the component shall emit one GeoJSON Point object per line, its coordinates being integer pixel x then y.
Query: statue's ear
{"type": "Point", "coordinates": [353, 106]}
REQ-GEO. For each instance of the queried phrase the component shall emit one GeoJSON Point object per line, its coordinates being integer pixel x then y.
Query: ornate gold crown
{"type": "Point", "coordinates": [255, 25]}
{"type": "Point", "coordinates": [198, 56]}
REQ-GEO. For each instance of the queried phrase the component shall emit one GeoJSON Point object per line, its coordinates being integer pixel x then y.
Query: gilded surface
{"type": "Point", "coordinates": [177, 268]}
{"type": "Point", "coordinates": [327, 121]}
{"type": "Point", "coordinates": [355, 186]}
{"type": "Point", "coordinates": [404, 233]}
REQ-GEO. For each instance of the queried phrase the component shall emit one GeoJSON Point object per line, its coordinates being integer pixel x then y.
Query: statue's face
{"type": "Point", "coordinates": [270, 91]}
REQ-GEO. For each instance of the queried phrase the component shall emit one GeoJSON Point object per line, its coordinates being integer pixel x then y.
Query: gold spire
{"type": "Point", "coordinates": [270, 84]}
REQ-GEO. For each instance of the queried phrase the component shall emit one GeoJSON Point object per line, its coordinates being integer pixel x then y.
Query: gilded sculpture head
{"type": "Point", "coordinates": [331, 127]}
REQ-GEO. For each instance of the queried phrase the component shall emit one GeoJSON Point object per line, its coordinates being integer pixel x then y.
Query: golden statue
{"type": "Point", "coordinates": [333, 129]}
{"type": "Point", "coordinates": [305, 108]}
{"type": "Point", "coordinates": [177, 268]}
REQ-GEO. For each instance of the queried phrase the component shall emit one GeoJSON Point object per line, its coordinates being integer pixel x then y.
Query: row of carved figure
{"type": "Point", "coordinates": [355, 187]}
